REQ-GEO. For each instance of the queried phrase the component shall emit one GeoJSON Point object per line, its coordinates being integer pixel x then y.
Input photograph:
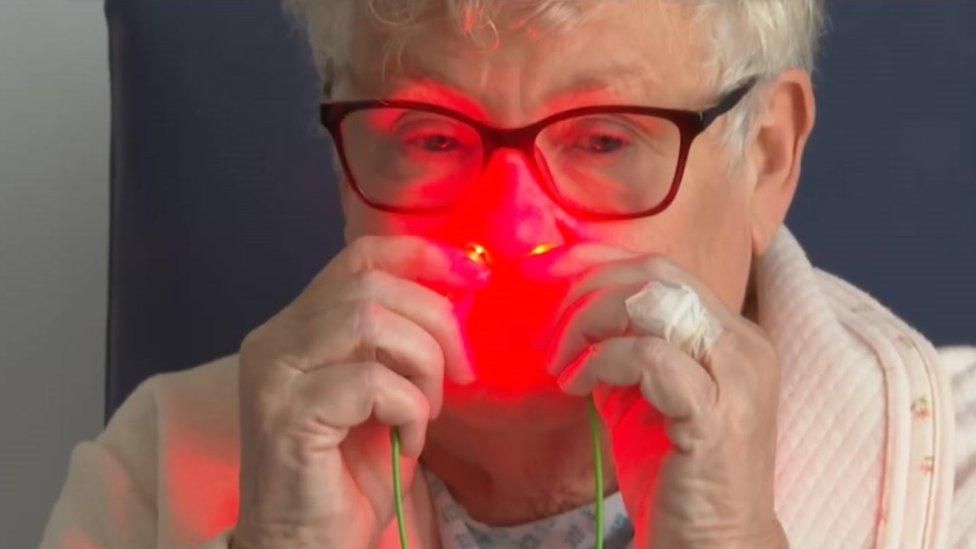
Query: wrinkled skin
{"type": "Point", "coordinates": [690, 444]}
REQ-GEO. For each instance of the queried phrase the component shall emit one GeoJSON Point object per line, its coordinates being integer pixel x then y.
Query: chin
{"type": "Point", "coordinates": [534, 403]}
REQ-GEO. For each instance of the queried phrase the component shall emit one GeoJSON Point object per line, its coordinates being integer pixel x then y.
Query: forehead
{"type": "Point", "coordinates": [639, 51]}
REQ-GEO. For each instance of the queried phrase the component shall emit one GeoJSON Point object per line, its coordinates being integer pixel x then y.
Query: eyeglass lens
{"type": "Point", "coordinates": [610, 163]}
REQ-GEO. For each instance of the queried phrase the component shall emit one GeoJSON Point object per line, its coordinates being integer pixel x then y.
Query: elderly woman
{"type": "Point", "coordinates": [566, 271]}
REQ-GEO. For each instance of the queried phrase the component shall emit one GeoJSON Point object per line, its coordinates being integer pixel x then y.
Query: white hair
{"type": "Point", "coordinates": [748, 37]}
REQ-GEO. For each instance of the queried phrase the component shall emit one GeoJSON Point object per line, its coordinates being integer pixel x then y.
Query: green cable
{"type": "Point", "coordinates": [397, 491]}
{"type": "Point", "coordinates": [598, 466]}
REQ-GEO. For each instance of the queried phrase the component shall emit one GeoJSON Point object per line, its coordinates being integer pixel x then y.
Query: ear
{"type": "Point", "coordinates": [786, 118]}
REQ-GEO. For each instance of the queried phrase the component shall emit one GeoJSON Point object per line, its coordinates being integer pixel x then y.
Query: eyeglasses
{"type": "Point", "coordinates": [605, 162]}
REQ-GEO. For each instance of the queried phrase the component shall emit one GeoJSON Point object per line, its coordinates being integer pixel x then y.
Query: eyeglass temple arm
{"type": "Point", "coordinates": [726, 103]}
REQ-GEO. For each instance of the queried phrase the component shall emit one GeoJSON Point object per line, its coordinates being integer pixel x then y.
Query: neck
{"type": "Point", "coordinates": [515, 475]}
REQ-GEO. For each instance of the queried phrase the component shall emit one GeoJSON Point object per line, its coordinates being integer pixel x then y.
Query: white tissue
{"type": "Point", "coordinates": [673, 312]}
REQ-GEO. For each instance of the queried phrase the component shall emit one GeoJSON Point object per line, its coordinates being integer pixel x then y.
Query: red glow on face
{"type": "Point", "coordinates": [430, 90]}
{"type": "Point", "coordinates": [507, 326]}
{"type": "Point", "coordinates": [502, 217]}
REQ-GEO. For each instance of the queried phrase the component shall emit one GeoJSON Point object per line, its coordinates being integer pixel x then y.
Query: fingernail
{"type": "Point", "coordinates": [472, 270]}
{"type": "Point", "coordinates": [465, 374]}
{"type": "Point", "coordinates": [577, 362]}
{"type": "Point", "coordinates": [469, 366]}
{"type": "Point", "coordinates": [550, 358]}
{"type": "Point", "coordinates": [551, 367]}
{"type": "Point", "coordinates": [563, 379]}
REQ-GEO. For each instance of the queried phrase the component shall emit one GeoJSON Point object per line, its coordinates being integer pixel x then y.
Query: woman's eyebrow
{"type": "Point", "coordinates": [605, 84]}
{"type": "Point", "coordinates": [433, 88]}
{"type": "Point", "coordinates": [580, 87]}
{"type": "Point", "coordinates": [604, 76]}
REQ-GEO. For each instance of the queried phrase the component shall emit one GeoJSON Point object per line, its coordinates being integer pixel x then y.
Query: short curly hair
{"type": "Point", "coordinates": [748, 37]}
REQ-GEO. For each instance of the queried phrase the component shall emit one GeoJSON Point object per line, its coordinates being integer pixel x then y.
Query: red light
{"type": "Point", "coordinates": [541, 249]}
{"type": "Point", "coordinates": [504, 325]}
{"type": "Point", "coordinates": [478, 253]}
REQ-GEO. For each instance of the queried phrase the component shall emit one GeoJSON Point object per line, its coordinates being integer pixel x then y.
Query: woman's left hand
{"type": "Point", "coordinates": [694, 442]}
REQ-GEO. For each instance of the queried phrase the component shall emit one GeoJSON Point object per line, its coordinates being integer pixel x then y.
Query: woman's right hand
{"type": "Point", "coordinates": [364, 347]}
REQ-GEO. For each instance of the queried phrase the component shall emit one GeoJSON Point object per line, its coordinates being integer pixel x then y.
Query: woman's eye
{"type": "Point", "coordinates": [600, 143]}
{"type": "Point", "coordinates": [433, 142]}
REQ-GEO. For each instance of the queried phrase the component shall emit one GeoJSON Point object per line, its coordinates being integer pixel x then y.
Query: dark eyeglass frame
{"type": "Point", "coordinates": [690, 124]}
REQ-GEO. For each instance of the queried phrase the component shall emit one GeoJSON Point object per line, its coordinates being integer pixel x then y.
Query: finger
{"type": "Point", "coordinates": [432, 263]}
{"type": "Point", "coordinates": [432, 311]}
{"type": "Point", "coordinates": [669, 380]}
{"type": "Point", "coordinates": [367, 331]}
{"type": "Point", "coordinates": [595, 316]}
{"type": "Point", "coordinates": [646, 269]}
{"type": "Point", "coordinates": [572, 259]}
{"type": "Point", "coordinates": [342, 396]}
{"type": "Point", "coordinates": [745, 345]}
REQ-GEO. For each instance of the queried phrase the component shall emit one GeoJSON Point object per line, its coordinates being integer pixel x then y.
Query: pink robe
{"type": "Point", "coordinates": [877, 441]}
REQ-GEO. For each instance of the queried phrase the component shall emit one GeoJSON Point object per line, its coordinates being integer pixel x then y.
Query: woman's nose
{"type": "Point", "coordinates": [506, 210]}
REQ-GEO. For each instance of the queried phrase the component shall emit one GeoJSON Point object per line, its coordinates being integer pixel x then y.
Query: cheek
{"type": "Point", "coordinates": [707, 216]}
{"type": "Point", "coordinates": [361, 219]}
{"type": "Point", "coordinates": [720, 231]}
{"type": "Point", "coordinates": [705, 230]}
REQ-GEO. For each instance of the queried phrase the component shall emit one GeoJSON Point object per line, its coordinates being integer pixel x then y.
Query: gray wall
{"type": "Point", "coordinates": [54, 139]}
